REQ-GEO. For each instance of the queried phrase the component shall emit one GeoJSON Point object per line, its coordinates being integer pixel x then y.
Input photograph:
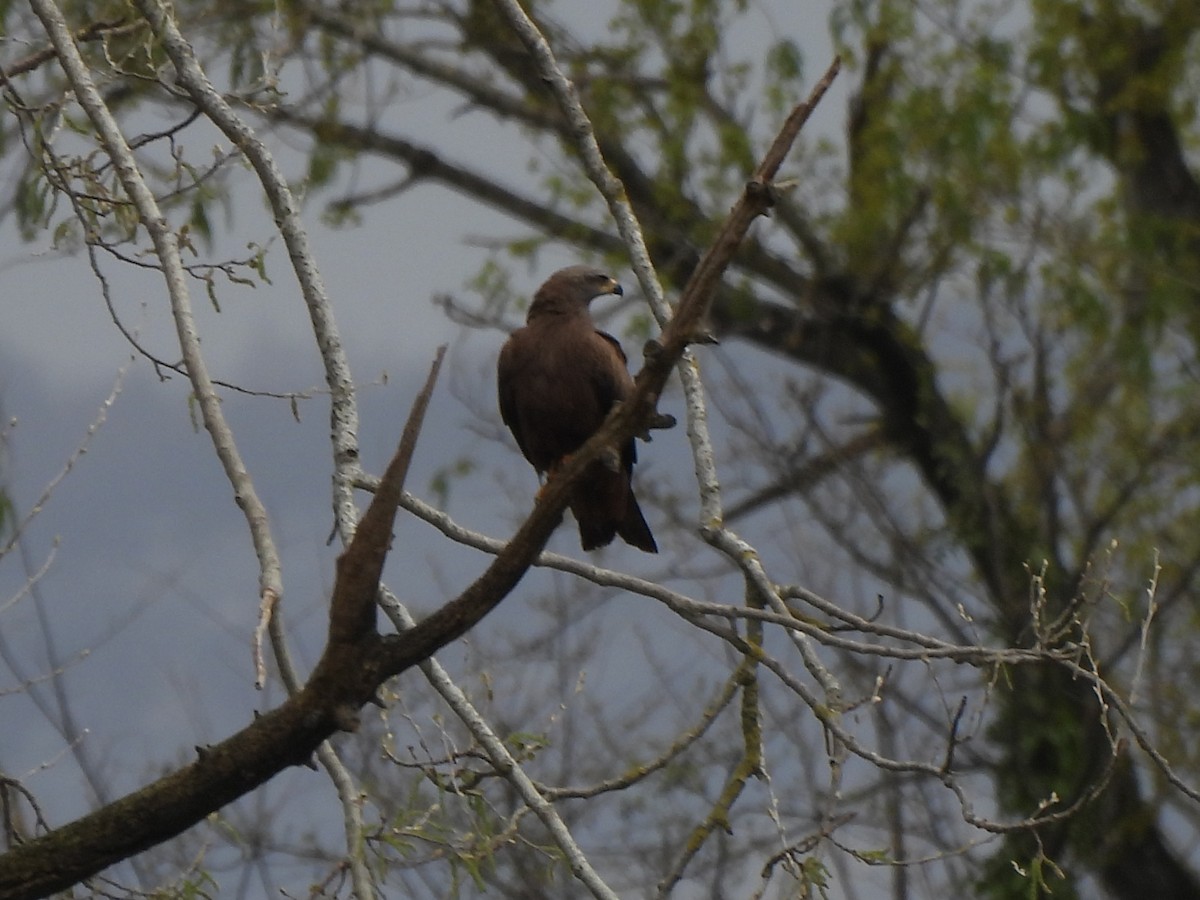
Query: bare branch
{"type": "Point", "coordinates": [344, 413]}
{"type": "Point", "coordinates": [345, 678]}
{"type": "Point", "coordinates": [352, 609]}
{"type": "Point", "coordinates": [72, 460]}
{"type": "Point", "coordinates": [93, 31]}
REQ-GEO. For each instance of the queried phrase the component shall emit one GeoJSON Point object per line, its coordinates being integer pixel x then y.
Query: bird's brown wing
{"type": "Point", "coordinates": [556, 382]}
{"type": "Point", "coordinates": [617, 388]}
{"type": "Point", "coordinates": [603, 503]}
{"type": "Point", "coordinates": [555, 388]}
{"type": "Point", "coordinates": [512, 361]}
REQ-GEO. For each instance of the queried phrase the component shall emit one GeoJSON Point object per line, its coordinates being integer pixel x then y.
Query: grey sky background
{"type": "Point", "coordinates": [151, 596]}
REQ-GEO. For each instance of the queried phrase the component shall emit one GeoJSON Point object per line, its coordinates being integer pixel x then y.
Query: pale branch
{"type": "Point", "coordinates": [757, 197]}
{"type": "Point", "coordinates": [640, 771]}
{"type": "Point", "coordinates": [1114, 700]}
{"type": "Point", "coordinates": [347, 675]}
{"type": "Point", "coordinates": [360, 567]}
{"type": "Point", "coordinates": [717, 817]}
{"type": "Point", "coordinates": [867, 626]}
{"type": "Point", "coordinates": [504, 763]}
{"type": "Point", "coordinates": [924, 647]}
{"type": "Point", "coordinates": [424, 163]}
{"type": "Point", "coordinates": [421, 163]}
{"type": "Point", "coordinates": [847, 743]}
{"type": "Point", "coordinates": [94, 31]}
{"type": "Point", "coordinates": [166, 246]}
{"type": "Point", "coordinates": [343, 411]}
{"type": "Point", "coordinates": [38, 505]}
{"type": "Point", "coordinates": [688, 319]}
{"type": "Point", "coordinates": [582, 136]}
{"type": "Point", "coordinates": [31, 582]}
{"type": "Point", "coordinates": [850, 743]}
{"type": "Point", "coordinates": [583, 139]}
{"type": "Point", "coordinates": [927, 649]}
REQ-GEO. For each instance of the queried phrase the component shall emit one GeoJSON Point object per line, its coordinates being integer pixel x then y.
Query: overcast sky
{"type": "Point", "coordinates": [150, 571]}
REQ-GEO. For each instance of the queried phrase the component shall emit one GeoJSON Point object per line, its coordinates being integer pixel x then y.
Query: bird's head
{"type": "Point", "coordinates": [570, 290]}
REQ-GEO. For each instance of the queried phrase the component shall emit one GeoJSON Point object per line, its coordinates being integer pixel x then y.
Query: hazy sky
{"type": "Point", "coordinates": [152, 575]}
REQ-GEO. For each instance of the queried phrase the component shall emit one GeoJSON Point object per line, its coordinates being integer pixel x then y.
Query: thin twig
{"type": "Point", "coordinates": [1144, 639]}
{"type": "Point", "coordinates": [686, 323]}
{"type": "Point", "coordinates": [166, 245]}
{"type": "Point", "coordinates": [76, 455]}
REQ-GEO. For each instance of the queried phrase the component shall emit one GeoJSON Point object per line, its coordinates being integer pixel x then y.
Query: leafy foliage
{"type": "Point", "coordinates": [976, 310]}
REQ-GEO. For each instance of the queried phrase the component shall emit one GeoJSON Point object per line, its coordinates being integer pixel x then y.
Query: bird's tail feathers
{"type": "Point", "coordinates": [633, 528]}
{"type": "Point", "coordinates": [594, 534]}
{"type": "Point", "coordinates": [604, 506]}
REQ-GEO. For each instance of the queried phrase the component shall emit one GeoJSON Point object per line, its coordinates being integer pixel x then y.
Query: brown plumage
{"type": "Point", "coordinates": [558, 378]}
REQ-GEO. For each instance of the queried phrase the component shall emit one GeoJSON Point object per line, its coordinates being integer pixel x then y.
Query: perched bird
{"type": "Point", "coordinates": [558, 378]}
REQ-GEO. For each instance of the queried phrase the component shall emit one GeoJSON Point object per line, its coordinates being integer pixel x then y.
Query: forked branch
{"type": "Point", "coordinates": [357, 660]}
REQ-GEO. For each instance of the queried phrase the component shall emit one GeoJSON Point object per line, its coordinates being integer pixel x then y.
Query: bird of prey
{"type": "Point", "coordinates": [558, 378]}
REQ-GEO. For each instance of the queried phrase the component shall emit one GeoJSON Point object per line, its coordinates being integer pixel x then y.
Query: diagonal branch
{"type": "Point", "coordinates": [360, 567]}
{"type": "Point", "coordinates": [356, 660]}
{"type": "Point", "coordinates": [286, 208]}
{"type": "Point", "coordinates": [684, 326]}
{"type": "Point", "coordinates": [345, 678]}
{"type": "Point", "coordinates": [93, 31]}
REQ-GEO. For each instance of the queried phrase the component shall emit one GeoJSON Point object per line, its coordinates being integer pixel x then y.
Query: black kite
{"type": "Point", "coordinates": [558, 377]}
